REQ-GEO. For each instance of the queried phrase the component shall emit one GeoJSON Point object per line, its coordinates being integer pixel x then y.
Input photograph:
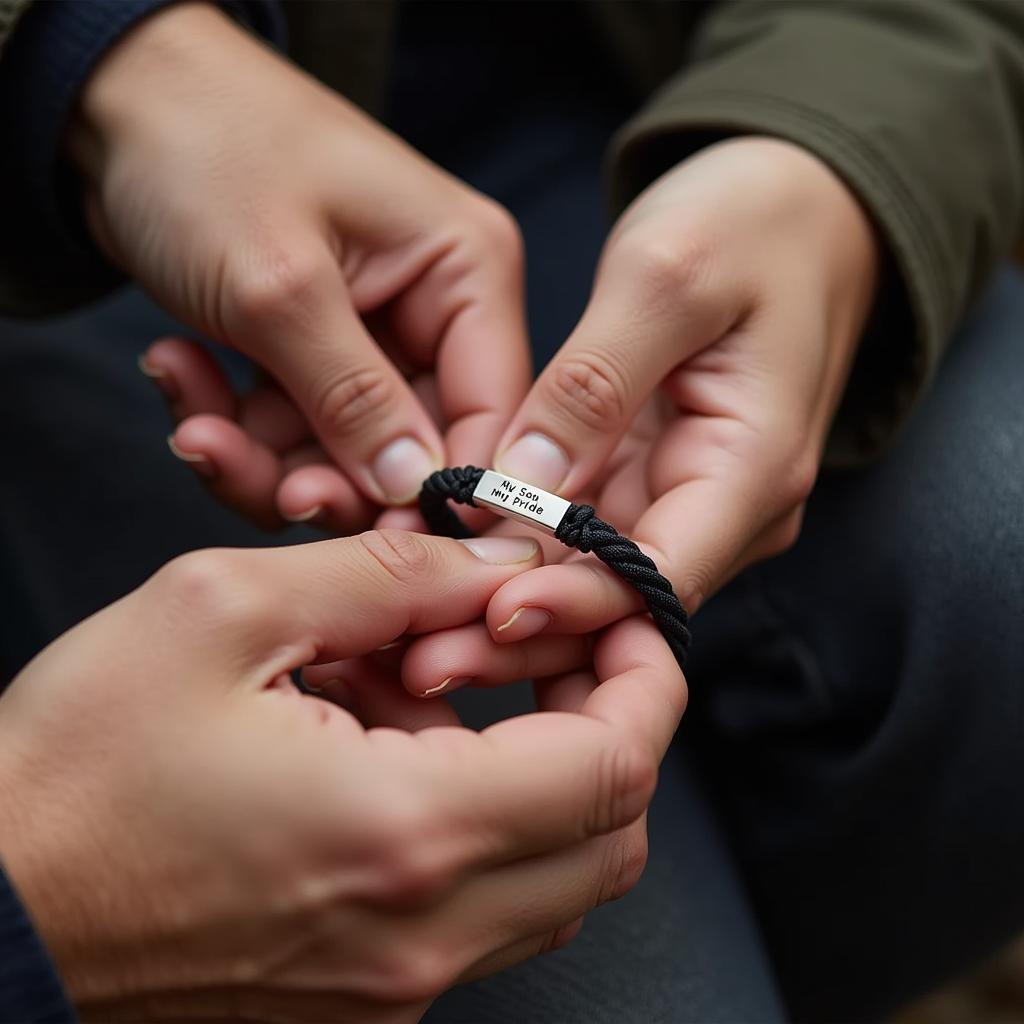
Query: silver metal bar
{"type": "Point", "coordinates": [514, 499]}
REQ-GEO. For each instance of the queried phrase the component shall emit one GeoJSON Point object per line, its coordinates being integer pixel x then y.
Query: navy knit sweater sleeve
{"type": "Point", "coordinates": [47, 260]}
{"type": "Point", "coordinates": [30, 991]}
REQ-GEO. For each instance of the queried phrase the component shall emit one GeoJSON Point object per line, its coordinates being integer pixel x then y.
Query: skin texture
{"type": "Point", "coordinates": [225, 847]}
{"type": "Point", "coordinates": [270, 214]}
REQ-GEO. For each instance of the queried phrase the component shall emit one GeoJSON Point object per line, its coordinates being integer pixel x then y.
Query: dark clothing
{"type": "Point", "coordinates": [856, 704]}
{"type": "Point", "coordinates": [30, 991]}
{"type": "Point", "coordinates": [46, 254]}
{"type": "Point", "coordinates": [919, 107]}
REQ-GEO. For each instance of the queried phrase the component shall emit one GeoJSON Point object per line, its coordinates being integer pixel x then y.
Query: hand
{"type": "Point", "coordinates": [195, 838]}
{"type": "Point", "coordinates": [694, 397]}
{"type": "Point", "coordinates": [270, 214]}
{"type": "Point", "coordinates": [691, 404]}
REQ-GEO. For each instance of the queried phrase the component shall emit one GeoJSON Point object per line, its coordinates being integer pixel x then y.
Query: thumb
{"type": "Point", "coordinates": [584, 401]}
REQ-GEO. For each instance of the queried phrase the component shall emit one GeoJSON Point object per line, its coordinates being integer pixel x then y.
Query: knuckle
{"type": "Point", "coordinates": [801, 476]}
{"type": "Point", "coordinates": [698, 583]}
{"type": "Point", "coordinates": [499, 230]}
{"type": "Point", "coordinates": [411, 863]}
{"type": "Point", "coordinates": [416, 876]}
{"type": "Point", "coordinates": [349, 403]}
{"type": "Point", "coordinates": [212, 587]}
{"type": "Point", "coordinates": [560, 937]}
{"type": "Point", "coordinates": [588, 389]}
{"type": "Point", "coordinates": [626, 780]}
{"type": "Point", "coordinates": [413, 971]}
{"type": "Point", "coordinates": [403, 556]}
{"type": "Point", "coordinates": [626, 862]}
{"type": "Point", "coordinates": [666, 267]}
{"type": "Point", "coordinates": [279, 284]}
{"type": "Point", "coordinates": [787, 533]}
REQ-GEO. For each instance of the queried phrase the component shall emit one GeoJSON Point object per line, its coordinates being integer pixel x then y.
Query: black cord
{"type": "Point", "coordinates": [581, 529]}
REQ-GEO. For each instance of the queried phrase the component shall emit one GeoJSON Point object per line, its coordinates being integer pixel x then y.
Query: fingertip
{"type": "Point", "coordinates": [206, 433]}
{"type": "Point", "coordinates": [537, 459]}
{"type": "Point", "coordinates": [437, 663]}
{"type": "Point", "coordinates": [189, 377]}
{"type": "Point", "coordinates": [246, 473]}
{"type": "Point", "coordinates": [199, 461]}
{"type": "Point", "coordinates": [523, 552]}
{"type": "Point", "coordinates": [321, 494]}
{"type": "Point", "coordinates": [526, 621]}
{"type": "Point", "coordinates": [400, 468]}
{"type": "Point", "coordinates": [447, 685]}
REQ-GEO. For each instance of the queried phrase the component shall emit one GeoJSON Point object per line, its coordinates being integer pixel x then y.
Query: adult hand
{"type": "Point", "coordinates": [270, 214]}
{"type": "Point", "coordinates": [195, 838]}
{"type": "Point", "coordinates": [694, 397]}
{"type": "Point", "coordinates": [691, 404]}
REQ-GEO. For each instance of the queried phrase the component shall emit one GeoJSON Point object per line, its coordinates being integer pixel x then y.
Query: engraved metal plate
{"type": "Point", "coordinates": [514, 499]}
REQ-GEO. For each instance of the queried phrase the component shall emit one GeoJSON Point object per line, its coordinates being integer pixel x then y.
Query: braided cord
{"type": "Point", "coordinates": [457, 483]}
{"type": "Point", "coordinates": [581, 529]}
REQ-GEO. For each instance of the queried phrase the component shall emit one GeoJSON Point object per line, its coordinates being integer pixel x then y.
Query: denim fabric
{"type": "Point", "coordinates": [859, 701]}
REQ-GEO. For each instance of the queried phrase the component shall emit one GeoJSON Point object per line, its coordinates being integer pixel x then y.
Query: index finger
{"type": "Point", "coordinates": [484, 368]}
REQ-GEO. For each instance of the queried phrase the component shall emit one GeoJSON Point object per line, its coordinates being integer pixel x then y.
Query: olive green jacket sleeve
{"type": "Point", "coordinates": [918, 105]}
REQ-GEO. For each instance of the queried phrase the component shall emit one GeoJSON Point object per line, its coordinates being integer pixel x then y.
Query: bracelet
{"type": "Point", "coordinates": [576, 526]}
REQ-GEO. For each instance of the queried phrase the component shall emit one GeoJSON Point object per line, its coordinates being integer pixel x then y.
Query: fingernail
{"type": "Point", "coordinates": [161, 378]}
{"type": "Point", "coordinates": [451, 683]}
{"type": "Point", "coordinates": [401, 468]}
{"type": "Point", "coordinates": [502, 550]}
{"type": "Point", "coordinates": [391, 646]}
{"type": "Point", "coordinates": [200, 463]}
{"type": "Point", "coordinates": [525, 622]}
{"type": "Point", "coordinates": [302, 517]}
{"type": "Point", "coordinates": [537, 460]}
{"type": "Point", "coordinates": [306, 683]}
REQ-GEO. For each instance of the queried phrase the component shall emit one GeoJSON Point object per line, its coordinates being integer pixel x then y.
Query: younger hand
{"type": "Point", "coordinates": [691, 404]}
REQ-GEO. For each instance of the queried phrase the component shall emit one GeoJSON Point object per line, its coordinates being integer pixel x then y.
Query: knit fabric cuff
{"type": "Point", "coordinates": [51, 53]}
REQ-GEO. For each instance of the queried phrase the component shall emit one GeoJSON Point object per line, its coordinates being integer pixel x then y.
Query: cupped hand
{"type": "Point", "coordinates": [692, 403]}
{"type": "Point", "coordinates": [378, 294]}
{"type": "Point", "coordinates": [194, 837]}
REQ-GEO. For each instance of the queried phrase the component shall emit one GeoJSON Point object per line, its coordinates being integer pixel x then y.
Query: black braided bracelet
{"type": "Point", "coordinates": [576, 526]}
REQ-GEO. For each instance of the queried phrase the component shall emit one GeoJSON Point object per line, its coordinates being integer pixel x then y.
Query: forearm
{"type": "Point", "coordinates": [47, 260]}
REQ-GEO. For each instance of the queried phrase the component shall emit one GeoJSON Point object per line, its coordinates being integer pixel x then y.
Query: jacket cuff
{"type": "Point", "coordinates": [47, 258]}
{"type": "Point", "coordinates": [30, 991]}
{"type": "Point", "coordinates": [903, 341]}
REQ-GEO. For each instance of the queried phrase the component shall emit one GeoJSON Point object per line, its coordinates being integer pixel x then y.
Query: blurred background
{"type": "Point", "coordinates": [994, 994]}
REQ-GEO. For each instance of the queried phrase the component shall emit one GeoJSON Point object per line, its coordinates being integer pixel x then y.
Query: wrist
{"type": "Point", "coordinates": [805, 198]}
{"type": "Point", "coordinates": [134, 84]}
